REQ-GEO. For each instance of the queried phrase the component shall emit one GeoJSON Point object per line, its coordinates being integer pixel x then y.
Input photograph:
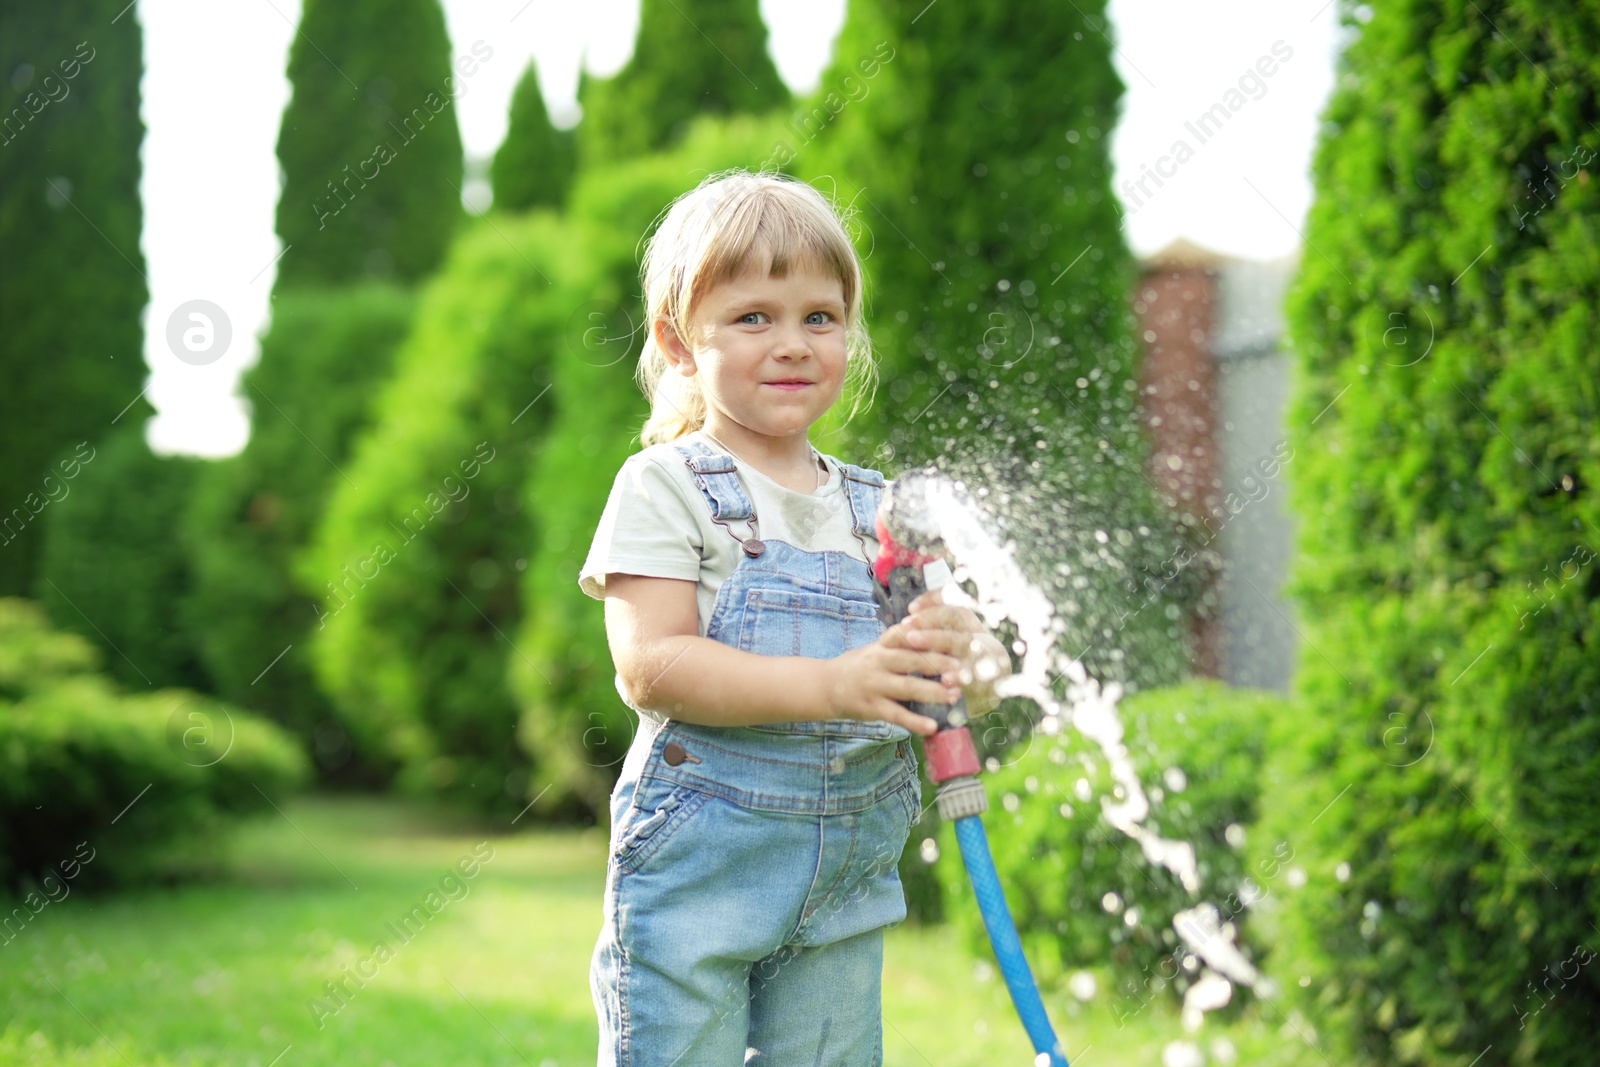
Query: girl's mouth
{"type": "Point", "coordinates": [789, 384]}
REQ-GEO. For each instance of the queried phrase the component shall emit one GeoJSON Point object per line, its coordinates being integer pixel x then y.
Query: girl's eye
{"type": "Point", "coordinates": [752, 318]}
{"type": "Point", "coordinates": [819, 318]}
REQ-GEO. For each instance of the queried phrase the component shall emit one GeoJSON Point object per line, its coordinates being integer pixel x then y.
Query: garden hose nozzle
{"type": "Point", "coordinates": [905, 569]}
{"type": "Point", "coordinates": [909, 564]}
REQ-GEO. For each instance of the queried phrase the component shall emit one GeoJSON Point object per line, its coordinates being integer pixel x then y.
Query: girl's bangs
{"type": "Point", "coordinates": [783, 231]}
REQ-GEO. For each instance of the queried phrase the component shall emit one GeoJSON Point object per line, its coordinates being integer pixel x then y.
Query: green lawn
{"type": "Point", "coordinates": [229, 972]}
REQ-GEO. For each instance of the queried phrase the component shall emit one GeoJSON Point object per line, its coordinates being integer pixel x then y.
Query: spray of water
{"type": "Point", "coordinates": [941, 507]}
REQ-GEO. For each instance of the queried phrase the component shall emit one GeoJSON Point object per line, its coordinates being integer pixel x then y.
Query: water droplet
{"type": "Point", "coordinates": [1181, 1054]}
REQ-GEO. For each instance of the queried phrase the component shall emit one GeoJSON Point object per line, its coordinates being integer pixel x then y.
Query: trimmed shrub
{"type": "Point", "coordinates": [321, 361]}
{"type": "Point", "coordinates": [114, 569]}
{"type": "Point", "coordinates": [97, 787]}
{"type": "Point", "coordinates": [73, 290]}
{"type": "Point", "coordinates": [999, 286]}
{"type": "Point", "coordinates": [519, 366]}
{"type": "Point", "coordinates": [574, 725]}
{"type": "Point", "coordinates": [1441, 790]}
{"type": "Point", "coordinates": [691, 59]}
{"type": "Point", "coordinates": [1082, 894]}
{"type": "Point", "coordinates": [413, 565]}
{"type": "Point", "coordinates": [369, 147]}
{"type": "Point", "coordinates": [533, 167]}
{"type": "Point", "coordinates": [998, 300]}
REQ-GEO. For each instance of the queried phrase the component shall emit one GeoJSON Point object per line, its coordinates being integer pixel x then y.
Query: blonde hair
{"type": "Point", "coordinates": [713, 234]}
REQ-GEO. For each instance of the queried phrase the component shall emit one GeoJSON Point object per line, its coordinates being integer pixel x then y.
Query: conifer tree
{"type": "Point", "coordinates": [534, 165]}
{"type": "Point", "coordinates": [976, 154]}
{"type": "Point", "coordinates": [372, 170]}
{"type": "Point", "coordinates": [691, 58]}
{"type": "Point", "coordinates": [114, 568]}
{"type": "Point", "coordinates": [321, 362]}
{"type": "Point", "coordinates": [973, 142]}
{"type": "Point", "coordinates": [1439, 787]}
{"type": "Point", "coordinates": [369, 146]}
{"type": "Point", "coordinates": [73, 271]}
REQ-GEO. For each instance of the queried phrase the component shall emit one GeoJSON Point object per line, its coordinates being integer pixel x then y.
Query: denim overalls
{"type": "Point", "coordinates": [753, 868]}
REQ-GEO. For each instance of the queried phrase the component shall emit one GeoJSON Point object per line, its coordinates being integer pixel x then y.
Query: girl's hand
{"type": "Point", "coordinates": [868, 683]}
{"type": "Point", "coordinates": [957, 632]}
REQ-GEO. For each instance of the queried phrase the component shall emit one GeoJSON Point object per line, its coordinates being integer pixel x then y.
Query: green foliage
{"type": "Point", "coordinates": [369, 146]}
{"type": "Point", "coordinates": [574, 724]}
{"type": "Point", "coordinates": [1446, 410]}
{"type": "Point", "coordinates": [414, 561]}
{"type": "Point", "coordinates": [533, 167]}
{"type": "Point", "coordinates": [425, 617]}
{"type": "Point", "coordinates": [977, 154]}
{"type": "Point", "coordinates": [692, 58]}
{"type": "Point", "coordinates": [1196, 748]}
{"type": "Point", "coordinates": [69, 253]}
{"type": "Point", "coordinates": [114, 568]}
{"type": "Point", "coordinates": [321, 361]}
{"type": "Point", "coordinates": [98, 787]}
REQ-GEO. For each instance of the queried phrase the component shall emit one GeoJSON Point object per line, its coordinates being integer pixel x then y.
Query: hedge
{"type": "Point", "coordinates": [1442, 787]}
{"type": "Point", "coordinates": [98, 787]}
{"type": "Point", "coordinates": [1073, 881]}
{"type": "Point", "coordinates": [71, 305]}
{"type": "Point", "coordinates": [322, 360]}
{"type": "Point", "coordinates": [114, 569]}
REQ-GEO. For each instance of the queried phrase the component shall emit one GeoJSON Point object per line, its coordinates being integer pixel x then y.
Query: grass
{"type": "Point", "coordinates": [229, 971]}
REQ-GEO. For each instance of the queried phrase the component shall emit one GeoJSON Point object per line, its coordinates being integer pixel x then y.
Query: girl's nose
{"type": "Point", "coordinates": [792, 342]}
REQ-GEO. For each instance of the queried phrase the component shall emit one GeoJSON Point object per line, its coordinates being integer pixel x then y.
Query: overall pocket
{"type": "Point", "coordinates": [791, 622]}
{"type": "Point", "coordinates": [647, 832]}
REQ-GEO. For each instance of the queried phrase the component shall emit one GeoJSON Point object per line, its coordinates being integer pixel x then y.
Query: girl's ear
{"type": "Point", "coordinates": [678, 355]}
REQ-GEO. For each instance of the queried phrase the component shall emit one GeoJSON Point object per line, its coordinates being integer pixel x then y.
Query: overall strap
{"type": "Point", "coordinates": [863, 488]}
{"type": "Point", "coordinates": [717, 477]}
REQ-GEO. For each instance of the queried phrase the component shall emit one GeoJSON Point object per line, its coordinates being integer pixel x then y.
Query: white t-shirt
{"type": "Point", "coordinates": [658, 524]}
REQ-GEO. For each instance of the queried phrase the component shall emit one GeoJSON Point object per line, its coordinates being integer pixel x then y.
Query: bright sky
{"type": "Point", "coordinates": [214, 91]}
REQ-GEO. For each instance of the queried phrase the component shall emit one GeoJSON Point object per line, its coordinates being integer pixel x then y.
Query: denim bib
{"type": "Point", "coordinates": [788, 601]}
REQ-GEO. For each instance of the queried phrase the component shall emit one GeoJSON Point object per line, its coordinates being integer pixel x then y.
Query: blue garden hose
{"type": "Point", "coordinates": [907, 566]}
{"type": "Point", "coordinates": [1003, 937]}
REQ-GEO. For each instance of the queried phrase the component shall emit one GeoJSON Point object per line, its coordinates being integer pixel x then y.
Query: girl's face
{"type": "Point", "coordinates": [770, 352]}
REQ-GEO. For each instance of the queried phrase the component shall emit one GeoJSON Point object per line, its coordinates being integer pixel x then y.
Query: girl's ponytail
{"type": "Point", "coordinates": [677, 407]}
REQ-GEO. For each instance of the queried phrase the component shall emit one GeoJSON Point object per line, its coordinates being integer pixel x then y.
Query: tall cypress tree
{"type": "Point", "coordinates": [369, 145]}
{"type": "Point", "coordinates": [73, 273]}
{"type": "Point", "coordinates": [113, 568]}
{"type": "Point", "coordinates": [976, 155]}
{"type": "Point", "coordinates": [534, 164]}
{"type": "Point", "coordinates": [371, 157]}
{"type": "Point", "coordinates": [1440, 787]}
{"type": "Point", "coordinates": [691, 58]}
{"type": "Point", "coordinates": [321, 362]}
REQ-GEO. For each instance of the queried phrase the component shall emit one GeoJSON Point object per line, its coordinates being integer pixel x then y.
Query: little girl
{"type": "Point", "coordinates": [766, 799]}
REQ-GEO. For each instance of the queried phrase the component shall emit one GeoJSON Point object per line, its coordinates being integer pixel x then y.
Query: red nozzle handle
{"type": "Point", "coordinates": [892, 554]}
